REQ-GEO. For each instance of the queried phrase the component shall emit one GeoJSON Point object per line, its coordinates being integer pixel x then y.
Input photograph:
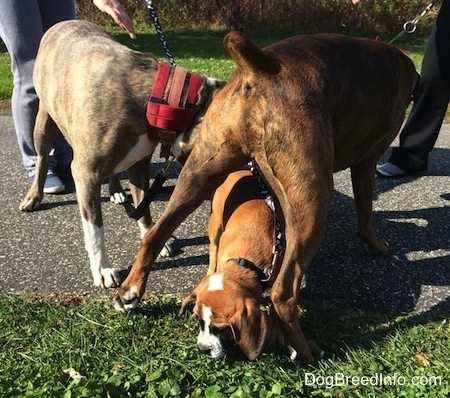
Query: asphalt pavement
{"type": "Point", "coordinates": [43, 252]}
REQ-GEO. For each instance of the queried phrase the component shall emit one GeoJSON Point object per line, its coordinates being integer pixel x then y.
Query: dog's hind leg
{"type": "Point", "coordinates": [363, 181]}
{"type": "Point", "coordinates": [139, 175]}
{"type": "Point", "coordinates": [116, 193]}
{"type": "Point", "coordinates": [45, 132]}
{"type": "Point", "coordinates": [88, 186]}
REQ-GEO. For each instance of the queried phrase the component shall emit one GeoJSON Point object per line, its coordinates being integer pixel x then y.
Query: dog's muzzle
{"type": "Point", "coordinates": [210, 344]}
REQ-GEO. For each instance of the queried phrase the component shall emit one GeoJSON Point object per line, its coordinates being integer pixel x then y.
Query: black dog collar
{"type": "Point", "coordinates": [262, 276]}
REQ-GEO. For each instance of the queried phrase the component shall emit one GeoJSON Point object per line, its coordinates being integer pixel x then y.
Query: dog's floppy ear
{"type": "Point", "coordinates": [247, 56]}
{"type": "Point", "coordinates": [188, 300]}
{"type": "Point", "coordinates": [249, 326]}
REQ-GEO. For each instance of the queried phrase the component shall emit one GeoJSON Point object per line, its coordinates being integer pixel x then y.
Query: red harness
{"type": "Point", "coordinates": [174, 114]}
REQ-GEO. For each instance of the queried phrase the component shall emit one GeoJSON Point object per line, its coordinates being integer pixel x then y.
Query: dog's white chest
{"type": "Point", "coordinates": [143, 148]}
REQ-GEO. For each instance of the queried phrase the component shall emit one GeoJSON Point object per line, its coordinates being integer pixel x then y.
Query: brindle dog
{"type": "Point", "coordinates": [95, 90]}
{"type": "Point", "coordinates": [302, 108]}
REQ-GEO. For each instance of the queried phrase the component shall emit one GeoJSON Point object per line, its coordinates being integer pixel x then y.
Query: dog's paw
{"type": "Point", "coordinates": [314, 355]}
{"type": "Point", "coordinates": [118, 198]}
{"type": "Point", "coordinates": [30, 204]}
{"type": "Point", "coordinates": [316, 351]}
{"type": "Point", "coordinates": [292, 353]}
{"type": "Point", "coordinates": [376, 247]}
{"type": "Point", "coordinates": [116, 193]}
{"type": "Point", "coordinates": [107, 278]}
{"type": "Point", "coordinates": [126, 299]}
{"type": "Point", "coordinates": [167, 249]}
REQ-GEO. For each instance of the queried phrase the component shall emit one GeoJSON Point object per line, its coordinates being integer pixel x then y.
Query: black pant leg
{"type": "Point", "coordinates": [424, 123]}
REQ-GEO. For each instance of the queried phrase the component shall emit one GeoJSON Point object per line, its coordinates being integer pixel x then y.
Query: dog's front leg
{"type": "Point", "coordinates": [284, 296]}
{"type": "Point", "coordinates": [304, 206]}
{"type": "Point", "coordinates": [203, 172]}
{"type": "Point", "coordinates": [363, 181]}
{"type": "Point", "coordinates": [88, 196]}
{"type": "Point", "coordinates": [215, 230]}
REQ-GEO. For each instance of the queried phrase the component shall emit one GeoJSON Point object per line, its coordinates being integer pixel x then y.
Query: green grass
{"type": "Point", "coordinates": [200, 52]}
{"type": "Point", "coordinates": [152, 353]}
{"type": "Point", "coordinates": [6, 80]}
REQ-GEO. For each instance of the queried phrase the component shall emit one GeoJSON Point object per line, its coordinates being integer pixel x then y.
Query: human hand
{"type": "Point", "coordinates": [115, 9]}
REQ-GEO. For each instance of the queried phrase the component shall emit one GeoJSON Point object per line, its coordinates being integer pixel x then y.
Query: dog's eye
{"type": "Point", "coordinates": [223, 331]}
{"type": "Point", "coordinates": [214, 329]}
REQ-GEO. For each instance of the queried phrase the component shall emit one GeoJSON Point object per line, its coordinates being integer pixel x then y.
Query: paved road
{"type": "Point", "coordinates": [43, 252]}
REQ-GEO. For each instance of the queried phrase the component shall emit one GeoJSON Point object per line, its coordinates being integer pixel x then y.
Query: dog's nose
{"type": "Point", "coordinates": [204, 349]}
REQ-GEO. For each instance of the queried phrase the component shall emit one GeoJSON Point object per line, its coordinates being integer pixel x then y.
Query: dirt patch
{"type": "Point", "coordinates": [5, 108]}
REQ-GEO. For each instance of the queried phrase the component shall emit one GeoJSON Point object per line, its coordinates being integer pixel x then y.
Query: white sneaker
{"type": "Point", "coordinates": [390, 170]}
{"type": "Point", "coordinates": [53, 184]}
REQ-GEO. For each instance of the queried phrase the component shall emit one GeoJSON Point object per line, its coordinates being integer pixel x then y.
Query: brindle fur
{"type": "Point", "coordinates": [303, 108]}
{"type": "Point", "coordinates": [95, 90]}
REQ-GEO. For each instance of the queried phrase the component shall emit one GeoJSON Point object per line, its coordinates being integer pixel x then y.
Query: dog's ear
{"type": "Point", "coordinates": [249, 326]}
{"type": "Point", "coordinates": [247, 56]}
{"type": "Point", "coordinates": [188, 300]}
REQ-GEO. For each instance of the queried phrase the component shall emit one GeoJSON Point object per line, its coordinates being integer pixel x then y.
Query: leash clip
{"type": "Point", "coordinates": [165, 171]}
{"type": "Point", "coordinates": [411, 26]}
{"type": "Point", "coordinates": [276, 254]}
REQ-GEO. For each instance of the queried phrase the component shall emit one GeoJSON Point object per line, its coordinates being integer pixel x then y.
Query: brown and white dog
{"type": "Point", "coordinates": [302, 108]}
{"type": "Point", "coordinates": [241, 267]}
{"type": "Point", "coordinates": [95, 91]}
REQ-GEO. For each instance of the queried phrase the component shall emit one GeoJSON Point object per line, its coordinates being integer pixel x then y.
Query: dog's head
{"type": "Point", "coordinates": [227, 314]}
{"type": "Point", "coordinates": [184, 142]}
{"type": "Point", "coordinates": [249, 104]}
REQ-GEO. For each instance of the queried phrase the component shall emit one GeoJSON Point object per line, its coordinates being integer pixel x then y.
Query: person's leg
{"type": "Point", "coordinates": [22, 25]}
{"type": "Point", "coordinates": [52, 12]}
{"type": "Point", "coordinates": [21, 30]}
{"type": "Point", "coordinates": [422, 127]}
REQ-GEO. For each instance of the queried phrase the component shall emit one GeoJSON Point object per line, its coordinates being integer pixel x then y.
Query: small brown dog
{"type": "Point", "coordinates": [241, 266]}
{"type": "Point", "coordinates": [302, 109]}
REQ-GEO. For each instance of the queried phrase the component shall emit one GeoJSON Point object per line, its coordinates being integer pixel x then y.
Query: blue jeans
{"type": "Point", "coordinates": [22, 24]}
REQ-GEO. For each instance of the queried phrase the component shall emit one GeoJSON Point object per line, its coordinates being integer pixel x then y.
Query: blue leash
{"type": "Point", "coordinates": [161, 35]}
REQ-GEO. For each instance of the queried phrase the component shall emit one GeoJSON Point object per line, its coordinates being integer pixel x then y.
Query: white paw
{"type": "Point", "coordinates": [167, 249]}
{"type": "Point", "coordinates": [127, 301]}
{"type": "Point", "coordinates": [107, 278]}
{"type": "Point", "coordinates": [292, 353]}
{"type": "Point", "coordinates": [118, 198]}
{"type": "Point", "coordinates": [30, 205]}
